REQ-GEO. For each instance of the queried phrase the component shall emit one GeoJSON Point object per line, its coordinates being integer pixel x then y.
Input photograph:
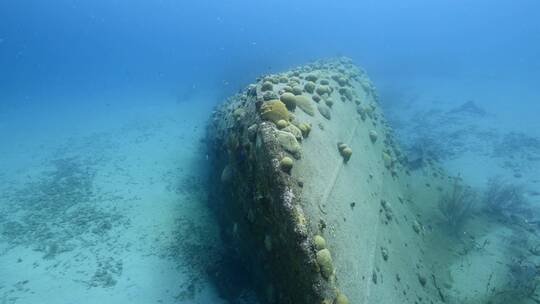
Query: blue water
{"type": "Point", "coordinates": [121, 91]}
{"type": "Point", "coordinates": [92, 48]}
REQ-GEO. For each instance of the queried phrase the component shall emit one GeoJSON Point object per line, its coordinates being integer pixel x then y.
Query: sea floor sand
{"type": "Point", "coordinates": [479, 129]}
{"type": "Point", "coordinates": [106, 204]}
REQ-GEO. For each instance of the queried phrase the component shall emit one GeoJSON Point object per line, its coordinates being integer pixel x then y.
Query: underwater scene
{"type": "Point", "coordinates": [270, 152]}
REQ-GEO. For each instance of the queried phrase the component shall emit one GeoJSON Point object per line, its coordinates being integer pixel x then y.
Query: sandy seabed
{"type": "Point", "coordinates": [105, 203]}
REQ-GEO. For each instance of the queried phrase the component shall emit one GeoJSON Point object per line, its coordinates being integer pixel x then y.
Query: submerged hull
{"type": "Point", "coordinates": [317, 199]}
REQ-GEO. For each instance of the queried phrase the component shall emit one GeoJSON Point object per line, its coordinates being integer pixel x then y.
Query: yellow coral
{"type": "Point", "coordinates": [305, 128]}
{"type": "Point", "coordinates": [324, 259]}
{"type": "Point", "coordinates": [274, 111]}
{"type": "Point", "coordinates": [282, 124]}
{"type": "Point", "coordinates": [286, 164]}
{"type": "Point", "coordinates": [304, 103]}
{"type": "Point", "coordinates": [289, 100]}
{"type": "Point", "coordinates": [309, 87]}
{"type": "Point", "coordinates": [324, 89]}
{"type": "Point", "coordinates": [341, 299]}
{"type": "Point", "coordinates": [346, 153]}
{"type": "Point", "coordinates": [319, 242]}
